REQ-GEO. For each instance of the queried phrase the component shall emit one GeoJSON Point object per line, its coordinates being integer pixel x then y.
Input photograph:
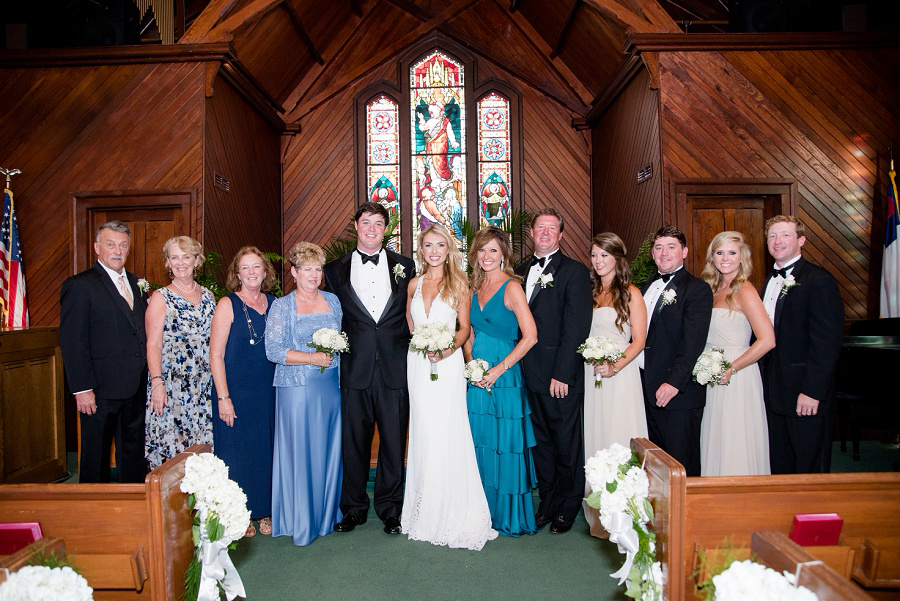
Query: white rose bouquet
{"type": "Point", "coordinates": [620, 490]}
{"type": "Point", "coordinates": [476, 370]}
{"type": "Point", "coordinates": [39, 583]}
{"type": "Point", "coordinates": [220, 519]}
{"type": "Point", "coordinates": [711, 367]}
{"type": "Point", "coordinates": [331, 342]}
{"type": "Point", "coordinates": [598, 350]}
{"type": "Point", "coordinates": [746, 580]}
{"type": "Point", "coordinates": [432, 337]}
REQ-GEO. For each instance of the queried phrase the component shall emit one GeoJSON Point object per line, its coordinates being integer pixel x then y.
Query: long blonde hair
{"type": "Point", "coordinates": [712, 276]}
{"type": "Point", "coordinates": [456, 286]}
{"type": "Point", "coordinates": [484, 236]}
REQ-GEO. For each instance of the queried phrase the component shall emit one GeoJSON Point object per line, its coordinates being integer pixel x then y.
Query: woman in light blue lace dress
{"type": "Point", "coordinates": [178, 322]}
{"type": "Point", "coordinates": [307, 470]}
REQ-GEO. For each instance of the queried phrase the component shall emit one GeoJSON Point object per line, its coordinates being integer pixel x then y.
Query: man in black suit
{"type": "Point", "coordinates": [104, 351]}
{"type": "Point", "coordinates": [558, 290]}
{"type": "Point", "coordinates": [805, 307]}
{"type": "Point", "coordinates": [679, 309]}
{"type": "Point", "coordinates": [371, 284]}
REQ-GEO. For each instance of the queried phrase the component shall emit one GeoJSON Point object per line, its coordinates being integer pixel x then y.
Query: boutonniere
{"type": "Point", "coordinates": [669, 297]}
{"type": "Point", "coordinates": [399, 272]}
{"type": "Point", "coordinates": [546, 280]}
{"type": "Point", "coordinates": [143, 285]}
{"type": "Point", "coordinates": [789, 282]}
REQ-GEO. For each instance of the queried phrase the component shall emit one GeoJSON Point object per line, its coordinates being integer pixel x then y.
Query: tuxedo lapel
{"type": "Point", "coordinates": [343, 272]}
{"type": "Point", "coordinates": [395, 285]}
{"type": "Point", "coordinates": [797, 274]}
{"type": "Point", "coordinates": [117, 298]}
{"type": "Point", "coordinates": [551, 269]}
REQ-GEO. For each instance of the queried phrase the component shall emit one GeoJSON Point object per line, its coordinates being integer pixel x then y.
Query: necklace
{"type": "Point", "coordinates": [308, 302]}
{"type": "Point", "coordinates": [183, 291]}
{"type": "Point", "coordinates": [254, 337]}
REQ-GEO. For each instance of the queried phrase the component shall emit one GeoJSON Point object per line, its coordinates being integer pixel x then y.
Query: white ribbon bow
{"type": "Point", "coordinates": [622, 533]}
{"type": "Point", "coordinates": [218, 569]}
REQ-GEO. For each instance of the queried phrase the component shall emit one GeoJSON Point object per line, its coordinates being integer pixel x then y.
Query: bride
{"type": "Point", "coordinates": [444, 502]}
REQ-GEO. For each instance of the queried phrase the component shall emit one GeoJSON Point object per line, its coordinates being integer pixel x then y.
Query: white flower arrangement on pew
{"type": "Point", "coordinates": [39, 583]}
{"type": "Point", "coordinates": [331, 342]}
{"type": "Point", "coordinates": [620, 491]}
{"type": "Point", "coordinates": [750, 581]}
{"type": "Point", "coordinates": [432, 337]}
{"type": "Point", "coordinates": [220, 520]}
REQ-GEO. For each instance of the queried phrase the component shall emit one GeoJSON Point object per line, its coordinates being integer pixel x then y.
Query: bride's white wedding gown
{"type": "Point", "coordinates": [444, 500]}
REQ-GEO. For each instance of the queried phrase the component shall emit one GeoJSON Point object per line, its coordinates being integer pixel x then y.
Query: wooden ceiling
{"type": "Point", "coordinates": [302, 53]}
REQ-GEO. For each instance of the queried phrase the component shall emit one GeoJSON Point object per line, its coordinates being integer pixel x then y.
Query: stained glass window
{"type": "Point", "coordinates": [438, 143]}
{"type": "Point", "coordinates": [383, 159]}
{"type": "Point", "coordinates": [494, 160]}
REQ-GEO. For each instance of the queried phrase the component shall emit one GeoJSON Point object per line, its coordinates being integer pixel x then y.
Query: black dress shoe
{"type": "Point", "coordinates": [349, 523]}
{"type": "Point", "coordinates": [392, 526]}
{"type": "Point", "coordinates": [541, 520]}
{"type": "Point", "coordinates": [561, 525]}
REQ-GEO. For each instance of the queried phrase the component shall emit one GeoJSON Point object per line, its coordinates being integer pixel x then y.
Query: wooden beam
{"type": "Point", "coordinates": [255, 94]}
{"type": "Point", "coordinates": [623, 15]}
{"type": "Point", "coordinates": [413, 9]}
{"type": "Point", "coordinates": [255, 9]}
{"type": "Point", "coordinates": [660, 19]}
{"type": "Point", "coordinates": [301, 31]}
{"type": "Point", "coordinates": [514, 5]}
{"type": "Point", "coordinates": [624, 75]}
{"type": "Point", "coordinates": [115, 55]}
{"type": "Point", "coordinates": [727, 42]}
{"type": "Point", "coordinates": [564, 32]}
{"type": "Point", "coordinates": [203, 24]}
{"type": "Point", "coordinates": [355, 8]}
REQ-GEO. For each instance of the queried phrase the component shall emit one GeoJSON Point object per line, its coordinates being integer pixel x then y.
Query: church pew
{"type": "Point", "coordinates": [130, 541]}
{"type": "Point", "coordinates": [702, 513]}
{"type": "Point", "coordinates": [23, 557]}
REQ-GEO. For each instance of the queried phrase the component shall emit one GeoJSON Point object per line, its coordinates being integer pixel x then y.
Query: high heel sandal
{"type": "Point", "coordinates": [265, 526]}
{"type": "Point", "coordinates": [251, 530]}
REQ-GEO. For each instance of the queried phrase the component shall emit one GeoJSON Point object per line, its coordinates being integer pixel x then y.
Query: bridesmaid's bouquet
{"type": "Point", "coordinates": [475, 371]}
{"type": "Point", "coordinates": [331, 342]}
{"type": "Point", "coordinates": [710, 367]}
{"type": "Point", "coordinates": [598, 350]}
{"type": "Point", "coordinates": [432, 337]}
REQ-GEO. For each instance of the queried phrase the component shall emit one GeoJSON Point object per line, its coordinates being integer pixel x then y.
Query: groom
{"type": "Point", "coordinates": [558, 290]}
{"type": "Point", "coordinates": [371, 284]}
{"type": "Point", "coordinates": [679, 308]}
{"type": "Point", "coordinates": [805, 306]}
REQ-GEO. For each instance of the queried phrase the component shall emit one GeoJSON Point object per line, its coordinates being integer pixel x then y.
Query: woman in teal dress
{"type": "Point", "coordinates": [498, 407]}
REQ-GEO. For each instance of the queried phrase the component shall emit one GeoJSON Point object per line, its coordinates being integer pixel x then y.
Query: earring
{"type": "Point", "coordinates": [501, 264]}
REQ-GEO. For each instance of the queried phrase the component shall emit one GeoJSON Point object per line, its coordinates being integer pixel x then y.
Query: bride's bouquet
{"type": "Point", "coordinates": [598, 350]}
{"type": "Point", "coordinates": [475, 371]}
{"type": "Point", "coordinates": [331, 342]}
{"type": "Point", "coordinates": [710, 367]}
{"type": "Point", "coordinates": [432, 337]}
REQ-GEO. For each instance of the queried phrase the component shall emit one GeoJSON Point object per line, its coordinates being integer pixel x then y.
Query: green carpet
{"type": "Point", "coordinates": [368, 564]}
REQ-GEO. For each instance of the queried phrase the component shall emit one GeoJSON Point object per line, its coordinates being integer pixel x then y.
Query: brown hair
{"type": "Point", "coordinates": [233, 280]}
{"type": "Point", "coordinates": [801, 228]}
{"type": "Point", "coordinates": [549, 211]}
{"type": "Point", "coordinates": [484, 236]}
{"type": "Point", "coordinates": [620, 289]}
{"type": "Point", "coordinates": [670, 231]}
{"type": "Point", "coordinates": [712, 276]}
{"type": "Point", "coordinates": [372, 208]}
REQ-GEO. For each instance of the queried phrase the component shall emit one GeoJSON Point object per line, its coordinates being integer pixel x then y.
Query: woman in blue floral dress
{"type": "Point", "coordinates": [178, 321]}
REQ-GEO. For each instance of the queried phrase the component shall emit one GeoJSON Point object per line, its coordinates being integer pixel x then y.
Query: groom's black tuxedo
{"type": "Point", "coordinates": [104, 349]}
{"type": "Point", "coordinates": [809, 321]}
{"type": "Point", "coordinates": [373, 388]}
{"type": "Point", "coordinates": [675, 339]}
{"type": "Point", "coordinates": [562, 313]}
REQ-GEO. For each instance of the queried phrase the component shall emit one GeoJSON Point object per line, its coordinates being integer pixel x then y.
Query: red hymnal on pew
{"type": "Point", "coordinates": [15, 536]}
{"type": "Point", "coordinates": [816, 529]}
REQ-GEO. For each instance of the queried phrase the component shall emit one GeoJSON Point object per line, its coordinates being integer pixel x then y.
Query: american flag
{"type": "Point", "coordinates": [12, 277]}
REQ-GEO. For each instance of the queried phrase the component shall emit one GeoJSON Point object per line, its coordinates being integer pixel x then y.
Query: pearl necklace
{"type": "Point", "coordinates": [183, 291]}
{"type": "Point", "coordinates": [308, 302]}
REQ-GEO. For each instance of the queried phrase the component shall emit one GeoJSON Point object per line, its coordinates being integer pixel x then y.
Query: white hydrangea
{"type": "Point", "coordinates": [206, 477]}
{"type": "Point", "coordinates": [750, 581]}
{"type": "Point", "coordinates": [40, 583]}
{"type": "Point", "coordinates": [603, 467]}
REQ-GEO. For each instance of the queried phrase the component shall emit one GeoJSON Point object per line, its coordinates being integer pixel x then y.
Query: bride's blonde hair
{"type": "Point", "coordinates": [456, 285]}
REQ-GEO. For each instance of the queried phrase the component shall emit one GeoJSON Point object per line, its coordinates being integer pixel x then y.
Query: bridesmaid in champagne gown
{"type": "Point", "coordinates": [498, 405]}
{"type": "Point", "coordinates": [734, 437]}
{"type": "Point", "coordinates": [614, 412]}
{"type": "Point", "coordinates": [444, 503]}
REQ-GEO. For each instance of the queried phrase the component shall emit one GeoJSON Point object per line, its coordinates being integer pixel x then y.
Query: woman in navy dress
{"type": "Point", "coordinates": [242, 382]}
{"type": "Point", "coordinates": [307, 471]}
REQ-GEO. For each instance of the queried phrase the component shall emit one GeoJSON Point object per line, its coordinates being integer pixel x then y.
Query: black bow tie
{"type": "Point", "coordinates": [366, 258]}
{"type": "Point", "coordinates": [782, 272]}
{"type": "Point", "coordinates": [536, 261]}
{"type": "Point", "coordinates": [665, 277]}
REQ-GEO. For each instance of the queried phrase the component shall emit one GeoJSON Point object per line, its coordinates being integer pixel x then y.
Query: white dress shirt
{"type": "Point", "coordinates": [534, 273]}
{"type": "Point", "coordinates": [371, 282]}
{"type": "Point", "coordinates": [774, 287]}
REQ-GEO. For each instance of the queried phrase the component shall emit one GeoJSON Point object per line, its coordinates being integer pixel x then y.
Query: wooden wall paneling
{"type": "Point", "coordinates": [821, 117]}
{"type": "Point", "coordinates": [103, 127]}
{"type": "Point", "coordinates": [547, 17]}
{"type": "Point", "coordinates": [243, 148]}
{"type": "Point", "coordinates": [593, 34]}
{"type": "Point", "coordinates": [625, 140]}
